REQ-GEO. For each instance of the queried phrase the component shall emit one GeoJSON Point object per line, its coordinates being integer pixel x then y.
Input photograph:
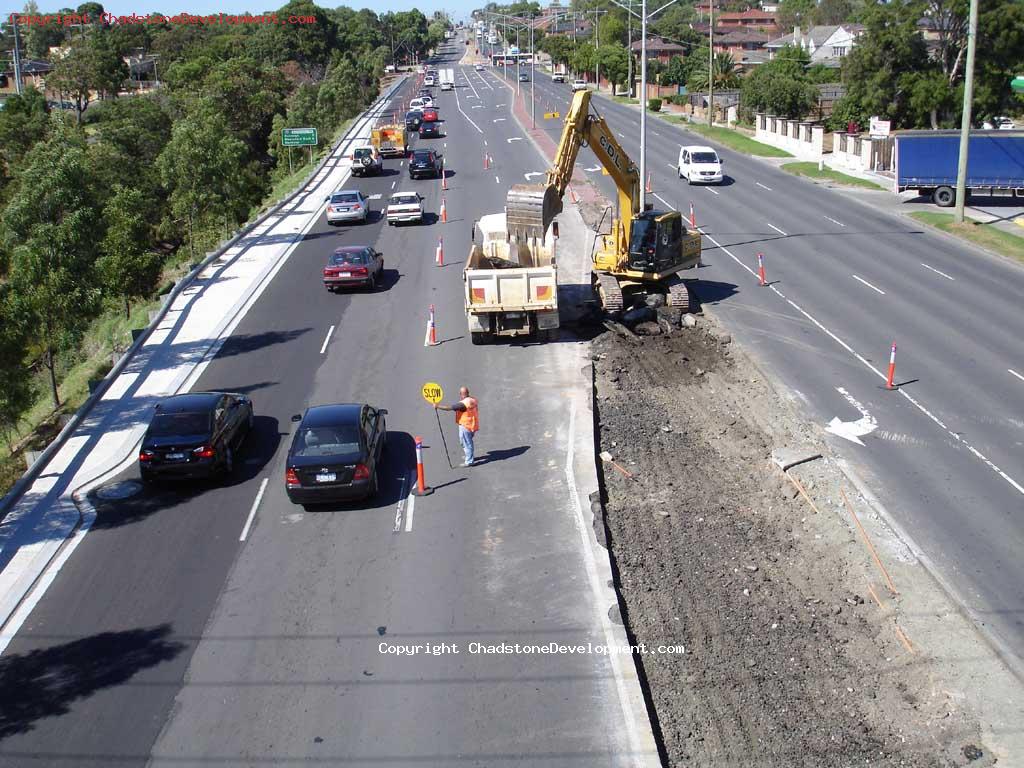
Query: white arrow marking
{"type": "Point", "coordinates": [591, 170]}
{"type": "Point", "coordinates": [853, 430]}
{"type": "Point", "coordinates": [514, 138]}
{"type": "Point", "coordinates": [499, 119]}
{"type": "Point", "coordinates": [531, 174]}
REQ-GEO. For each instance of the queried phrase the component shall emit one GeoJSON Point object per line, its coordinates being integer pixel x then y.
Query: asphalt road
{"type": "Point", "coordinates": [847, 281]}
{"type": "Point", "coordinates": [165, 640]}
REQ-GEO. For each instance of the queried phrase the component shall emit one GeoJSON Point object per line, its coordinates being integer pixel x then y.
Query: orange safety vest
{"type": "Point", "coordinates": [469, 418]}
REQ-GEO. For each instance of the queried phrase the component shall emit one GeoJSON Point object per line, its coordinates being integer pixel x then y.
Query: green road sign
{"type": "Point", "coordinates": [1017, 84]}
{"type": "Point", "coordinates": [299, 137]}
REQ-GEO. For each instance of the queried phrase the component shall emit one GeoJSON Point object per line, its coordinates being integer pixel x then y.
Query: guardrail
{"type": "Point", "coordinates": [33, 472]}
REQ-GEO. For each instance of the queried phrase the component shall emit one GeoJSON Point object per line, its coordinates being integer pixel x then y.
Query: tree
{"type": "Point", "coordinates": [50, 228]}
{"type": "Point", "coordinates": [614, 61]}
{"type": "Point", "coordinates": [613, 28]}
{"type": "Point", "coordinates": [89, 64]}
{"type": "Point", "coordinates": [23, 122]}
{"type": "Point", "coordinates": [673, 23]}
{"type": "Point", "coordinates": [796, 13]}
{"type": "Point", "coordinates": [201, 166]}
{"type": "Point", "coordinates": [15, 386]}
{"type": "Point", "coordinates": [583, 58]}
{"type": "Point", "coordinates": [39, 38]}
{"type": "Point", "coordinates": [830, 12]}
{"type": "Point", "coordinates": [128, 269]}
{"type": "Point", "coordinates": [780, 87]}
{"type": "Point", "coordinates": [309, 45]}
{"type": "Point", "coordinates": [248, 94]}
{"type": "Point", "coordinates": [559, 47]}
{"type": "Point", "coordinates": [726, 74]}
{"type": "Point", "coordinates": [1000, 56]}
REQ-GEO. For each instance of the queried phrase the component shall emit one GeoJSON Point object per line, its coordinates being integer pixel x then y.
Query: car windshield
{"type": "Point", "coordinates": [350, 257]}
{"type": "Point", "coordinates": [405, 200]}
{"type": "Point", "coordinates": [345, 197]}
{"type": "Point", "coordinates": [327, 441]}
{"type": "Point", "coordinates": [169, 424]}
{"type": "Point", "coordinates": [705, 157]}
{"type": "Point", "coordinates": [423, 157]}
{"type": "Point", "coordinates": [364, 152]}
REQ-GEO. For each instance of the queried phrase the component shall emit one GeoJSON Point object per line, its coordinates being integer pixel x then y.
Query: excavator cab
{"type": "Point", "coordinates": [656, 242]}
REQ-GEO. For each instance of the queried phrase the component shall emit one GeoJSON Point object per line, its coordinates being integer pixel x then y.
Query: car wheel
{"type": "Point", "coordinates": [374, 484]}
{"type": "Point", "coordinates": [372, 284]}
{"type": "Point", "coordinates": [252, 420]}
{"type": "Point", "coordinates": [229, 461]}
{"type": "Point", "coordinates": [679, 173]}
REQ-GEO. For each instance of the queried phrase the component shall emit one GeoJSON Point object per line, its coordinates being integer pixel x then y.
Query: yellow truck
{"type": "Point", "coordinates": [390, 140]}
{"type": "Point", "coordinates": [511, 283]}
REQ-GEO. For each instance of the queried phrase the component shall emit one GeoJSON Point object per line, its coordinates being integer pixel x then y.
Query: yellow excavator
{"type": "Point", "coordinates": [645, 251]}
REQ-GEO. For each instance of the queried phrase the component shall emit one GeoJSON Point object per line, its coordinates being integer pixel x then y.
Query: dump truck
{"type": "Point", "coordinates": [511, 282]}
{"type": "Point", "coordinates": [390, 140]}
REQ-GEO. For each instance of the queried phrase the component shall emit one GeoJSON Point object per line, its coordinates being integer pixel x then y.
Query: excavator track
{"type": "Point", "coordinates": [609, 292]}
{"type": "Point", "coordinates": [677, 294]}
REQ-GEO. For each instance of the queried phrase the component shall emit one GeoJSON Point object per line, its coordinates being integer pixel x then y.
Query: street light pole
{"type": "Point", "coordinates": [711, 64]}
{"type": "Point", "coordinates": [643, 104]}
{"type": "Point", "coordinates": [17, 55]}
{"type": "Point", "coordinates": [533, 86]}
{"type": "Point", "coordinates": [629, 50]}
{"type": "Point", "coordinates": [965, 120]}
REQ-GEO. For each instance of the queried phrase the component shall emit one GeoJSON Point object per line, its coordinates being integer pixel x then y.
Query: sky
{"type": "Point", "coordinates": [458, 9]}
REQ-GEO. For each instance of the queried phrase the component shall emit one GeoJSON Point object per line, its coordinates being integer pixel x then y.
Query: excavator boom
{"type": "Point", "coordinates": [530, 208]}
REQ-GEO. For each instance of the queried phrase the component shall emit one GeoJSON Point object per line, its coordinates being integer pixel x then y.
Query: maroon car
{"type": "Point", "coordinates": [354, 265]}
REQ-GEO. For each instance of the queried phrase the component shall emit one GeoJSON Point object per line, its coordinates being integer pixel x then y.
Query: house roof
{"type": "Point", "coordinates": [738, 36]}
{"type": "Point", "coordinates": [752, 57]}
{"type": "Point", "coordinates": [816, 35]}
{"type": "Point", "coordinates": [750, 13]}
{"type": "Point", "coordinates": [658, 44]}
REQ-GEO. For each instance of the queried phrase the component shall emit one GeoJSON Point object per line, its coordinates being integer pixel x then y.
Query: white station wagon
{"type": "Point", "coordinates": [404, 207]}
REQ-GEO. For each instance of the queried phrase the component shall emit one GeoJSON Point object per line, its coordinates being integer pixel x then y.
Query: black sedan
{"type": "Point", "coordinates": [195, 435]}
{"type": "Point", "coordinates": [335, 454]}
{"type": "Point", "coordinates": [413, 118]}
{"type": "Point", "coordinates": [354, 265]}
{"type": "Point", "coordinates": [430, 131]}
{"type": "Point", "coordinates": [425, 162]}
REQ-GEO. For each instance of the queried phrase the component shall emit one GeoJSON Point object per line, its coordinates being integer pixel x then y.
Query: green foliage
{"type": "Point", "coordinates": [613, 28]}
{"type": "Point", "coordinates": [830, 12]}
{"type": "Point", "coordinates": [39, 38]}
{"type": "Point", "coordinates": [23, 122]}
{"type": "Point", "coordinates": [15, 384]}
{"type": "Point", "coordinates": [90, 64]}
{"type": "Point", "coordinates": [674, 24]}
{"type": "Point", "coordinates": [654, 105]}
{"type": "Point", "coordinates": [127, 269]}
{"type": "Point", "coordinates": [677, 71]}
{"type": "Point", "coordinates": [1000, 57]}
{"type": "Point", "coordinates": [583, 58]}
{"type": "Point", "coordinates": [726, 73]}
{"type": "Point", "coordinates": [794, 13]}
{"type": "Point", "coordinates": [309, 45]}
{"type": "Point", "coordinates": [248, 94]}
{"type": "Point", "coordinates": [614, 61]}
{"type": "Point", "coordinates": [50, 229]}
{"type": "Point", "coordinates": [779, 86]}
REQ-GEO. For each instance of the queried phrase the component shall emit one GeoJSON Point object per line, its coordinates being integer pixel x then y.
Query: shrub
{"type": "Point", "coordinates": [654, 105]}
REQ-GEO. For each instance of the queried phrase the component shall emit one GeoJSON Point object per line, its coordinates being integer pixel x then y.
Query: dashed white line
{"type": "Point", "coordinates": [255, 506]}
{"type": "Point", "coordinates": [836, 222]}
{"type": "Point", "coordinates": [666, 202]}
{"type": "Point", "coordinates": [327, 339]}
{"type": "Point", "coordinates": [937, 272]}
{"type": "Point", "coordinates": [497, 180]}
{"type": "Point", "coordinates": [408, 516]}
{"type": "Point", "coordinates": [458, 103]}
{"type": "Point", "coordinates": [762, 186]}
{"type": "Point", "coordinates": [777, 229]}
{"type": "Point", "coordinates": [673, 167]}
{"type": "Point", "coordinates": [869, 285]}
{"type": "Point", "coordinates": [393, 184]}
{"type": "Point", "coordinates": [712, 191]}
{"type": "Point", "coordinates": [860, 358]}
{"type": "Point", "coordinates": [1015, 374]}
{"type": "Point", "coordinates": [401, 505]}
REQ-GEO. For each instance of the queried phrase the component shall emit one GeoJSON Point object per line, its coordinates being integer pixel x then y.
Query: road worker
{"type": "Point", "coordinates": [468, 419]}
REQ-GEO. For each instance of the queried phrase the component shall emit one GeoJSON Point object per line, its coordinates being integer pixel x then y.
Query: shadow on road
{"type": "Point", "coordinates": [501, 454]}
{"type": "Point", "coordinates": [46, 682]}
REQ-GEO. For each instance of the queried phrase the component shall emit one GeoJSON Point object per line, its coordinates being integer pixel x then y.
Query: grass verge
{"type": "Point", "coordinates": [985, 235]}
{"type": "Point", "coordinates": [811, 171]}
{"type": "Point", "coordinates": [729, 138]}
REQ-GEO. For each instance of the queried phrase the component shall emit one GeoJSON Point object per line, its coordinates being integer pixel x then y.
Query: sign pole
{"type": "Point", "coordinates": [443, 441]}
{"type": "Point", "coordinates": [290, 169]}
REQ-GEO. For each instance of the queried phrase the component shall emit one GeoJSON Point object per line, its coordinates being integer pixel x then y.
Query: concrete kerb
{"type": "Point", "coordinates": [40, 463]}
{"type": "Point", "coordinates": [34, 570]}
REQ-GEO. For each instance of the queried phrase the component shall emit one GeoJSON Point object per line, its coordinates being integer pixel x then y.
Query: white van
{"type": "Point", "coordinates": [699, 165]}
{"type": "Point", "coordinates": [417, 104]}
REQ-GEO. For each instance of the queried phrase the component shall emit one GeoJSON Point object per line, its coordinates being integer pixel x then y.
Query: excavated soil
{"type": "Point", "coordinates": [788, 660]}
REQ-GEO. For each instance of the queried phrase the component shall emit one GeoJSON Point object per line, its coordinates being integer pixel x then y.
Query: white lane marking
{"type": "Point", "coordinates": [860, 358]}
{"type": "Point", "coordinates": [497, 180]}
{"type": "Point", "coordinates": [408, 517]}
{"type": "Point", "coordinates": [1015, 374]}
{"type": "Point", "coordinates": [499, 120]}
{"type": "Point", "coordinates": [852, 430]}
{"type": "Point", "coordinates": [869, 285]}
{"type": "Point", "coordinates": [673, 167]}
{"type": "Point", "coordinates": [712, 191]}
{"type": "Point", "coordinates": [666, 202]}
{"type": "Point", "coordinates": [471, 86]}
{"type": "Point", "coordinates": [376, 196]}
{"type": "Point", "coordinates": [485, 142]}
{"type": "Point", "coordinates": [620, 135]}
{"type": "Point", "coordinates": [327, 339]}
{"type": "Point", "coordinates": [531, 174]}
{"type": "Point", "coordinates": [836, 222]}
{"type": "Point", "coordinates": [593, 169]}
{"type": "Point", "coordinates": [255, 506]}
{"type": "Point", "coordinates": [933, 269]}
{"type": "Point", "coordinates": [393, 184]}
{"type": "Point", "coordinates": [514, 138]}
{"type": "Point", "coordinates": [762, 186]}
{"type": "Point", "coordinates": [458, 103]}
{"type": "Point", "coordinates": [401, 505]}
{"type": "Point", "coordinates": [777, 229]}
{"type": "Point", "coordinates": [477, 106]}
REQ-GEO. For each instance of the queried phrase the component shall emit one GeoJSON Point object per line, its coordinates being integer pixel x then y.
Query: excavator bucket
{"type": "Point", "coordinates": [530, 209]}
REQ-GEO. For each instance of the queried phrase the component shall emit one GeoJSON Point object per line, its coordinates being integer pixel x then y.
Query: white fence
{"type": "Point", "coordinates": [850, 151]}
{"type": "Point", "coordinates": [798, 137]}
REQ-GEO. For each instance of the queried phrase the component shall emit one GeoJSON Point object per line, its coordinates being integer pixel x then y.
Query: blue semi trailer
{"type": "Point", "coordinates": [926, 161]}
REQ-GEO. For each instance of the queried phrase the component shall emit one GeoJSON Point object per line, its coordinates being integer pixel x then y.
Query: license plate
{"type": "Point", "coordinates": [344, 274]}
{"type": "Point", "coordinates": [328, 477]}
{"type": "Point", "coordinates": [514, 314]}
{"type": "Point", "coordinates": [175, 456]}
{"type": "Point", "coordinates": [341, 210]}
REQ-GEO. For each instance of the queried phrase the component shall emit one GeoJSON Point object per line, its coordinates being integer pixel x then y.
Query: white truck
{"type": "Point", "coordinates": [447, 79]}
{"type": "Point", "coordinates": [511, 285]}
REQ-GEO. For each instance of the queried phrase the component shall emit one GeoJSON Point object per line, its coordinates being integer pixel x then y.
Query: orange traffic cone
{"type": "Point", "coordinates": [444, 212]}
{"type": "Point", "coordinates": [444, 179]}
{"type": "Point", "coordinates": [648, 188]}
{"type": "Point", "coordinates": [439, 253]}
{"type": "Point", "coordinates": [693, 218]}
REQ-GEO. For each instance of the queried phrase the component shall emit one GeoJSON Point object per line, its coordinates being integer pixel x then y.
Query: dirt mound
{"type": "Point", "coordinates": [788, 662]}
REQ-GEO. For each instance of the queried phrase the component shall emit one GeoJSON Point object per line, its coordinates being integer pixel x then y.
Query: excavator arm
{"type": "Point", "coordinates": [530, 208]}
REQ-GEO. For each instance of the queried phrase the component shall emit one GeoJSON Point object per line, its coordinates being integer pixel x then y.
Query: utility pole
{"type": "Point", "coordinates": [17, 55]}
{"type": "Point", "coordinates": [965, 120]}
{"type": "Point", "coordinates": [597, 44]}
{"type": "Point", "coordinates": [629, 50]}
{"type": "Point", "coordinates": [533, 87]}
{"type": "Point", "coordinates": [711, 64]}
{"type": "Point", "coordinates": [643, 104]}
{"type": "Point", "coordinates": [517, 62]}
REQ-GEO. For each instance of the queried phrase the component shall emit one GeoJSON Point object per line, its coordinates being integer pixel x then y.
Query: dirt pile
{"type": "Point", "coordinates": [788, 661]}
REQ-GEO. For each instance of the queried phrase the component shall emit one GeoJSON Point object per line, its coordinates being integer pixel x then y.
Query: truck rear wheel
{"type": "Point", "coordinates": [480, 338]}
{"type": "Point", "coordinates": [944, 197]}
